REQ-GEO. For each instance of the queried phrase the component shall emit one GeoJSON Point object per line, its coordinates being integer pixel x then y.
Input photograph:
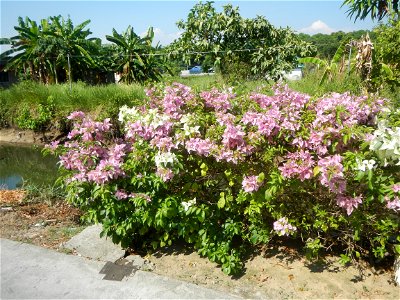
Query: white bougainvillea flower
{"type": "Point", "coordinates": [188, 204]}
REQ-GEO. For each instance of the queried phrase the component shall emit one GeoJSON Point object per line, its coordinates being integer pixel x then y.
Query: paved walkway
{"type": "Point", "coordinates": [31, 272]}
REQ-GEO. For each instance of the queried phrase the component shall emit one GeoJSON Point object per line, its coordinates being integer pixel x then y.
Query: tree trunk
{"type": "Point", "coordinates": [55, 72]}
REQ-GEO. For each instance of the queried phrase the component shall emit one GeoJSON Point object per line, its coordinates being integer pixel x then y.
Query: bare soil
{"type": "Point", "coordinates": [279, 272]}
{"type": "Point", "coordinates": [43, 224]}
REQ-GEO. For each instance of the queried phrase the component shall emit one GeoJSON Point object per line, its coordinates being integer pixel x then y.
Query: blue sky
{"type": "Point", "coordinates": [302, 16]}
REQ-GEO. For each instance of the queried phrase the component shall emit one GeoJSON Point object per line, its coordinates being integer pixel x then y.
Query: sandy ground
{"type": "Point", "coordinates": [282, 274]}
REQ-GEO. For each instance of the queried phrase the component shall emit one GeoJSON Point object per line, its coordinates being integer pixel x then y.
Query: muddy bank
{"type": "Point", "coordinates": [28, 137]}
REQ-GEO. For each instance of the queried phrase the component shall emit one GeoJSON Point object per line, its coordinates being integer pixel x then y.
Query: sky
{"type": "Point", "coordinates": [323, 16]}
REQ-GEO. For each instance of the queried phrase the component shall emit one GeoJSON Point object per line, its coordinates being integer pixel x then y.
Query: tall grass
{"type": "Point", "coordinates": [201, 83]}
{"type": "Point", "coordinates": [100, 100]}
{"type": "Point", "coordinates": [104, 101]}
{"type": "Point", "coordinates": [80, 96]}
{"type": "Point", "coordinates": [339, 83]}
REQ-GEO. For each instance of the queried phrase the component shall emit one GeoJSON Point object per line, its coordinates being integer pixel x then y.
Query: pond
{"type": "Point", "coordinates": [19, 164]}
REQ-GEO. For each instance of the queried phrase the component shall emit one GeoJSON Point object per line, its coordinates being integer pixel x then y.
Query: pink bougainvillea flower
{"type": "Point", "coordinates": [233, 137]}
{"type": "Point", "coordinates": [250, 184]}
{"type": "Point", "coordinates": [76, 115]}
{"type": "Point", "coordinates": [394, 204]}
{"type": "Point", "coordinates": [220, 101]}
{"type": "Point", "coordinates": [298, 164]}
{"type": "Point", "coordinates": [396, 187]}
{"type": "Point", "coordinates": [200, 146]}
{"type": "Point", "coordinates": [121, 194]}
{"type": "Point", "coordinates": [165, 174]}
{"type": "Point", "coordinates": [348, 203]}
{"type": "Point", "coordinates": [331, 170]}
{"type": "Point", "coordinates": [282, 227]}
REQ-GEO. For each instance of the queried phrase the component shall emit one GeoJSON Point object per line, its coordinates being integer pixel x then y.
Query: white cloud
{"type": "Point", "coordinates": [162, 37]}
{"type": "Point", "coordinates": [317, 27]}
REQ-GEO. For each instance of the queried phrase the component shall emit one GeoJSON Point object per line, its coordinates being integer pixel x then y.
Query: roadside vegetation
{"type": "Point", "coordinates": [223, 162]}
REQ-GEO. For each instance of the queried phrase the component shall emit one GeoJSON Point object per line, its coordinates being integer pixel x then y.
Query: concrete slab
{"type": "Point", "coordinates": [31, 272]}
{"type": "Point", "coordinates": [89, 244]}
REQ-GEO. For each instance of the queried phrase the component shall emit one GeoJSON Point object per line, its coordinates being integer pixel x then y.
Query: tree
{"type": "Point", "coordinates": [377, 9]}
{"type": "Point", "coordinates": [135, 56]}
{"type": "Point", "coordinates": [237, 44]}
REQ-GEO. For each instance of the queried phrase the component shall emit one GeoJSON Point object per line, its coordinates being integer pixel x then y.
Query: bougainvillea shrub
{"type": "Point", "coordinates": [225, 172]}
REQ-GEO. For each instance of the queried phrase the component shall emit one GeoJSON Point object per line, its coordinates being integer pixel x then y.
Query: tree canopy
{"type": "Point", "coordinates": [327, 44]}
{"type": "Point", "coordinates": [237, 44]}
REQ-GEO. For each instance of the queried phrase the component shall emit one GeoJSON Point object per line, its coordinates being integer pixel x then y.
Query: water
{"type": "Point", "coordinates": [19, 164]}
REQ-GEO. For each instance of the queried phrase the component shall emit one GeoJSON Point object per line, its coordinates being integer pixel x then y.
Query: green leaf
{"type": "Point", "coordinates": [221, 201]}
{"type": "Point", "coordinates": [261, 177]}
{"type": "Point", "coordinates": [344, 259]}
{"type": "Point", "coordinates": [316, 171]}
{"type": "Point", "coordinates": [202, 216]}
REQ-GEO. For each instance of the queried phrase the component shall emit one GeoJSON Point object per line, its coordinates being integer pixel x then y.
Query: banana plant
{"type": "Point", "coordinates": [26, 48]}
{"type": "Point", "coordinates": [72, 47]}
{"type": "Point", "coordinates": [135, 56]}
{"type": "Point", "coordinates": [330, 68]}
{"type": "Point", "coordinates": [376, 9]}
{"type": "Point", "coordinates": [42, 49]}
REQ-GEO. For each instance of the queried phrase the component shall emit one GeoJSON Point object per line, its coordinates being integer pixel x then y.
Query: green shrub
{"type": "Point", "coordinates": [36, 118]}
{"type": "Point", "coordinates": [225, 172]}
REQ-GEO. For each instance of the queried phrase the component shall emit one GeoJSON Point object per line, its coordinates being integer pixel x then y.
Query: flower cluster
{"type": "Point", "coordinates": [122, 194]}
{"type": "Point", "coordinates": [349, 203]}
{"type": "Point", "coordinates": [282, 227]}
{"type": "Point", "coordinates": [251, 184]}
{"type": "Point", "coordinates": [365, 165]}
{"type": "Point", "coordinates": [200, 146]}
{"type": "Point", "coordinates": [298, 164]}
{"type": "Point", "coordinates": [188, 204]}
{"type": "Point", "coordinates": [332, 176]}
{"type": "Point", "coordinates": [217, 100]}
{"type": "Point", "coordinates": [386, 144]}
{"type": "Point", "coordinates": [87, 155]}
{"type": "Point", "coordinates": [393, 204]}
{"type": "Point", "coordinates": [176, 96]}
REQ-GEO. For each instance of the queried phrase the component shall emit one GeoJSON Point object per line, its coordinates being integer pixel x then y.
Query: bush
{"type": "Point", "coordinates": [225, 172]}
{"type": "Point", "coordinates": [36, 118]}
{"type": "Point", "coordinates": [387, 54]}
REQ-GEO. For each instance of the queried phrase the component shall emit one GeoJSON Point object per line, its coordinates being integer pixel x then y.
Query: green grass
{"type": "Point", "coordinates": [101, 100]}
{"type": "Point", "coordinates": [340, 84]}
{"type": "Point", "coordinates": [22, 104]}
